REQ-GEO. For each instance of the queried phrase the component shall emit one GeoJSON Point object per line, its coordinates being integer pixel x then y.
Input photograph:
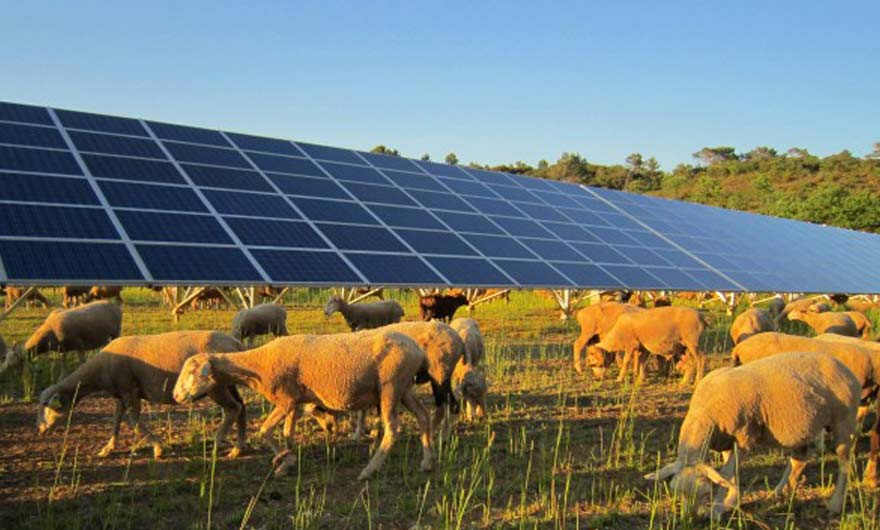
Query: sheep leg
{"type": "Point", "coordinates": [134, 411]}
{"type": "Point", "coordinates": [789, 480]}
{"type": "Point", "coordinates": [233, 411]}
{"type": "Point", "coordinates": [391, 425]}
{"type": "Point", "coordinates": [579, 346]}
{"type": "Point", "coordinates": [285, 459]}
{"type": "Point", "coordinates": [117, 419]}
{"type": "Point", "coordinates": [624, 366]}
{"type": "Point", "coordinates": [835, 504]}
{"type": "Point", "coordinates": [874, 454]}
{"type": "Point", "coordinates": [269, 424]}
{"type": "Point", "coordinates": [360, 420]}
{"type": "Point", "coordinates": [413, 405]}
{"type": "Point", "coordinates": [726, 500]}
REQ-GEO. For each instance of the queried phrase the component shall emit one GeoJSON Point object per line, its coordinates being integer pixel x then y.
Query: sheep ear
{"type": "Point", "coordinates": [666, 471]}
{"type": "Point", "coordinates": [712, 474]}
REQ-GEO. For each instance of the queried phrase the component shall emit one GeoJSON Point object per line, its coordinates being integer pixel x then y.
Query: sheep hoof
{"type": "Point", "coordinates": [280, 456]}
{"type": "Point", "coordinates": [235, 452]}
{"type": "Point", "coordinates": [427, 464]}
{"type": "Point", "coordinates": [834, 506]}
{"type": "Point", "coordinates": [105, 452]}
{"type": "Point", "coordinates": [157, 451]}
{"type": "Point", "coordinates": [366, 474]}
{"type": "Point", "coordinates": [286, 460]}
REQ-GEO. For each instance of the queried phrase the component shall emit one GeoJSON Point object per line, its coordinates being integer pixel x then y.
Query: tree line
{"type": "Point", "coordinates": [840, 190]}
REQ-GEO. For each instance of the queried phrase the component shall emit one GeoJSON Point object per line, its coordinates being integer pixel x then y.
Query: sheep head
{"type": "Point", "coordinates": [599, 360]}
{"type": "Point", "coordinates": [333, 305]}
{"type": "Point", "coordinates": [693, 483]}
{"type": "Point", "coordinates": [43, 340]}
{"type": "Point", "coordinates": [473, 385]}
{"type": "Point", "coordinates": [797, 314]}
{"type": "Point", "coordinates": [195, 380]}
{"type": "Point", "coordinates": [53, 406]}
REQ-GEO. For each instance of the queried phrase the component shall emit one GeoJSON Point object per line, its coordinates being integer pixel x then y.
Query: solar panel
{"type": "Point", "coordinates": [89, 198]}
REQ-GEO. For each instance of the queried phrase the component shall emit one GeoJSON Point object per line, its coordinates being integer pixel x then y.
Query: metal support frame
{"type": "Point", "coordinates": [23, 298]}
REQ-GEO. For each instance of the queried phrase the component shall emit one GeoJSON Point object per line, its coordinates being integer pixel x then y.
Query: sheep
{"type": "Point", "coordinates": [365, 316]}
{"type": "Point", "coordinates": [103, 292]}
{"type": "Point", "coordinates": [856, 304]}
{"type": "Point", "coordinates": [135, 368]}
{"type": "Point", "coordinates": [662, 331]}
{"type": "Point", "coordinates": [863, 324]}
{"type": "Point", "coordinates": [210, 297]}
{"type": "Point", "coordinates": [340, 372]}
{"type": "Point", "coordinates": [786, 401]}
{"type": "Point", "coordinates": [469, 381]}
{"type": "Point", "coordinates": [750, 322]}
{"type": "Point", "coordinates": [79, 329]}
{"type": "Point", "coordinates": [776, 306]}
{"type": "Point", "coordinates": [802, 303]}
{"type": "Point", "coordinates": [469, 331]}
{"type": "Point", "coordinates": [440, 307]}
{"type": "Point", "coordinates": [72, 296]}
{"type": "Point", "coordinates": [14, 293]}
{"type": "Point", "coordinates": [825, 322]}
{"type": "Point", "coordinates": [259, 320]}
{"type": "Point", "coordinates": [597, 320]}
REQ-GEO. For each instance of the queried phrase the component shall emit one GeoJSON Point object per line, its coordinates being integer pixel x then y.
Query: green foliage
{"type": "Point", "coordinates": [451, 159]}
{"type": "Point", "coordinates": [383, 150]}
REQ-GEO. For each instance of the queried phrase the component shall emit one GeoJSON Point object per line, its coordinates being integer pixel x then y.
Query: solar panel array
{"type": "Point", "coordinates": [88, 198]}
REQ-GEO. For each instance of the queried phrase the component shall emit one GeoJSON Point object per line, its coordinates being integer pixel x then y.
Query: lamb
{"type": "Point", "coordinates": [72, 296]}
{"type": "Point", "coordinates": [259, 320]}
{"type": "Point", "coordinates": [839, 323]}
{"type": "Point", "coordinates": [365, 316]}
{"type": "Point", "coordinates": [469, 331]}
{"type": "Point", "coordinates": [750, 322]}
{"type": "Point", "coordinates": [80, 329]}
{"type": "Point", "coordinates": [103, 292]}
{"type": "Point", "coordinates": [340, 372]}
{"type": "Point", "coordinates": [143, 367]}
{"type": "Point", "coordinates": [863, 323]}
{"type": "Point", "coordinates": [786, 401]}
{"type": "Point", "coordinates": [597, 320]}
{"type": "Point", "coordinates": [662, 331]}
{"type": "Point", "coordinates": [469, 380]}
{"type": "Point", "coordinates": [440, 307]}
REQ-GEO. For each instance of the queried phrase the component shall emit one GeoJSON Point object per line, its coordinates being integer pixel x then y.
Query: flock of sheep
{"type": "Point", "coordinates": [781, 390]}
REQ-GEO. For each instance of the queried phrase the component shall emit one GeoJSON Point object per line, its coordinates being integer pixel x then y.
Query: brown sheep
{"type": "Point", "coordinates": [259, 320]}
{"type": "Point", "coordinates": [750, 322]}
{"type": "Point", "coordinates": [341, 372]}
{"type": "Point", "coordinates": [663, 331]}
{"type": "Point", "coordinates": [857, 304]}
{"type": "Point", "coordinates": [72, 296]}
{"type": "Point", "coordinates": [803, 303]}
{"type": "Point", "coordinates": [14, 293]}
{"type": "Point", "coordinates": [365, 316]}
{"type": "Point", "coordinates": [827, 322]}
{"type": "Point", "coordinates": [104, 292]}
{"type": "Point", "coordinates": [597, 320]}
{"type": "Point", "coordinates": [863, 323]}
{"type": "Point", "coordinates": [130, 369]}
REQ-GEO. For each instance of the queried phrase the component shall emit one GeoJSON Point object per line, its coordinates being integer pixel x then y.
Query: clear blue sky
{"type": "Point", "coordinates": [492, 81]}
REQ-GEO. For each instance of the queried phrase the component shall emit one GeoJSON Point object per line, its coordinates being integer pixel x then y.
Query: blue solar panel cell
{"type": "Point", "coordinates": [494, 207]}
{"type": "Point", "coordinates": [268, 145]}
{"type": "Point", "coordinates": [60, 261]}
{"type": "Point", "coordinates": [129, 195]}
{"type": "Point", "coordinates": [471, 272]}
{"type": "Point", "coordinates": [594, 205]}
{"type": "Point", "coordinates": [116, 145]}
{"type": "Point", "coordinates": [522, 227]}
{"type": "Point", "coordinates": [557, 199]}
{"type": "Point", "coordinates": [405, 217]}
{"type": "Point", "coordinates": [227, 178]}
{"type": "Point", "coordinates": [183, 133]}
{"type": "Point", "coordinates": [491, 177]}
{"type": "Point", "coordinates": [390, 162]}
{"type": "Point", "coordinates": [463, 222]}
{"type": "Point", "coordinates": [255, 204]}
{"type": "Point", "coordinates": [309, 186]}
{"type": "Point", "coordinates": [621, 221]}
{"type": "Point", "coordinates": [613, 236]}
{"type": "Point", "coordinates": [586, 274]}
{"type": "Point", "coordinates": [464, 187]}
{"type": "Point", "coordinates": [180, 263]}
{"type": "Point", "coordinates": [541, 213]}
{"type": "Point", "coordinates": [101, 123]}
{"type": "Point", "coordinates": [569, 232]}
{"type": "Point", "coordinates": [304, 266]}
{"type": "Point", "coordinates": [678, 258]}
{"type": "Point", "coordinates": [334, 211]}
{"type": "Point", "coordinates": [635, 277]}
{"type": "Point", "coordinates": [334, 154]}
{"type": "Point", "coordinates": [583, 217]}
{"type": "Point", "coordinates": [533, 273]}
{"type": "Point", "coordinates": [516, 194]}
{"type": "Point", "coordinates": [31, 136]}
{"type": "Point", "coordinates": [443, 170]}
{"type": "Point", "coordinates": [55, 221]}
{"type": "Point", "coordinates": [551, 250]}
{"type": "Point", "coordinates": [40, 188]}
{"type": "Point", "coordinates": [600, 253]}
{"type": "Point", "coordinates": [533, 183]}
{"type": "Point", "coordinates": [425, 242]}
{"type": "Point", "coordinates": [269, 233]}
{"type": "Point", "coordinates": [498, 246]}
{"type": "Point", "coordinates": [674, 278]}
{"type": "Point", "coordinates": [642, 256]}
{"type": "Point", "coordinates": [414, 181]}
{"type": "Point", "coordinates": [379, 194]}
{"type": "Point", "coordinates": [363, 174]}
{"type": "Point", "coordinates": [391, 269]}
{"type": "Point", "coordinates": [172, 227]}
{"type": "Point", "coordinates": [648, 239]}
{"type": "Point", "coordinates": [117, 168]}
{"type": "Point", "coordinates": [200, 154]}
{"type": "Point", "coordinates": [351, 237]}
{"type": "Point", "coordinates": [442, 201]}
{"type": "Point", "coordinates": [286, 164]}
{"type": "Point", "coordinates": [24, 114]}
{"type": "Point", "coordinates": [38, 160]}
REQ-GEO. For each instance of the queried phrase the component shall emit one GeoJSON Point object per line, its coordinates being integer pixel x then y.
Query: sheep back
{"type": "Point", "coordinates": [596, 320]}
{"type": "Point", "coordinates": [750, 322]}
{"type": "Point", "coordinates": [85, 327]}
{"type": "Point", "coordinates": [259, 320]}
{"type": "Point", "coordinates": [441, 344]}
{"type": "Point", "coordinates": [469, 331]}
{"type": "Point", "coordinates": [661, 330]}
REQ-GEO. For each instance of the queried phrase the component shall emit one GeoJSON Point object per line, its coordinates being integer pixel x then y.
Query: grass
{"type": "Point", "coordinates": [557, 451]}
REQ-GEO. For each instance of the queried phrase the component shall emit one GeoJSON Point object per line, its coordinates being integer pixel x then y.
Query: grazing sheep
{"type": "Point", "coordinates": [130, 369]}
{"type": "Point", "coordinates": [35, 296]}
{"type": "Point", "coordinates": [839, 323]}
{"type": "Point", "coordinates": [803, 303]}
{"type": "Point", "coordinates": [341, 372]}
{"type": "Point", "coordinates": [776, 306]}
{"type": "Point", "coordinates": [468, 380]}
{"type": "Point", "coordinates": [863, 323]}
{"type": "Point", "coordinates": [785, 401]}
{"type": "Point", "coordinates": [597, 320]}
{"type": "Point", "coordinates": [469, 331]}
{"type": "Point", "coordinates": [104, 292]}
{"type": "Point", "coordinates": [750, 322]}
{"type": "Point", "coordinates": [72, 296]}
{"type": "Point", "coordinates": [440, 307]}
{"type": "Point", "coordinates": [259, 320]}
{"type": "Point", "coordinates": [663, 331]}
{"type": "Point", "coordinates": [79, 329]}
{"type": "Point", "coordinates": [365, 316]}
{"type": "Point", "coordinates": [662, 301]}
{"type": "Point", "coordinates": [857, 304]}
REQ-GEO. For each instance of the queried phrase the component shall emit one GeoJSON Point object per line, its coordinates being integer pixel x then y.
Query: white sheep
{"type": "Point", "coordinates": [469, 380]}
{"type": "Point", "coordinates": [130, 369]}
{"type": "Point", "coordinates": [365, 316]}
{"type": "Point", "coordinates": [469, 331]}
{"type": "Point", "coordinates": [596, 321]}
{"type": "Point", "coordinates": [751, 322]}
{"type": "Point", "coordinates": [826, 322]}
{"type": "Point", "coordinates": [259, 320]}
{"type": "Point", "coordinates": [786, 401]}
{"type": "Point", "coordinates": [340, 372]}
